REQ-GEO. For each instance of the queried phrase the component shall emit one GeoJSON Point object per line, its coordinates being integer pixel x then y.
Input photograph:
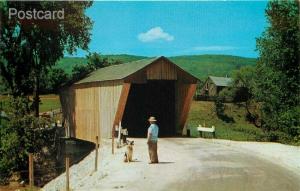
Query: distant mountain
{"type": "Point", "coordinates": [199, 65]}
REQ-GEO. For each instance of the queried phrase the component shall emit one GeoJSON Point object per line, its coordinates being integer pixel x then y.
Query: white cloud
{"type": "Point", "coordinates": [214, 48]}
{"type": "Point", "coordinates": [154, 34]}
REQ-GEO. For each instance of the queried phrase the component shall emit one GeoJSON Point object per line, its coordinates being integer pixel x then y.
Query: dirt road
{"type": "Point", "coordinates": [187, 165]}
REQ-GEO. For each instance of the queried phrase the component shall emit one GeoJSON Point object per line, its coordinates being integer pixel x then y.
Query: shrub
{"type": "Point", "coordinates": [19, 137]}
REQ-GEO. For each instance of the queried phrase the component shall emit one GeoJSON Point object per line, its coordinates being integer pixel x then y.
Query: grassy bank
{"type": "Point", "coordinates": [202, 112]}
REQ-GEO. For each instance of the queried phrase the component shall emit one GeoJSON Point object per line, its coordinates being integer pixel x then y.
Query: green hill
{"type": "Point", "coordinates": [68, 63]}
{"type": "Point", "coordinates": [217, 65]}
{"type": "Point", "coordinates": [199, 65]}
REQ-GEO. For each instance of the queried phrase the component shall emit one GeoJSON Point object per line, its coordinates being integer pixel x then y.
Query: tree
{"type": "Point", "coordinates": [30, 46]}
{"type": "Point", "coordinates": [241, 91]}
{"type": "Point", "coordinates": [277, 80]}
{"type": "Point", "coordinates": [79, 72]}
{"type": "Point", "coordinates": [95, 61]}
{"type": "Point", "coordinates": [53, 79]}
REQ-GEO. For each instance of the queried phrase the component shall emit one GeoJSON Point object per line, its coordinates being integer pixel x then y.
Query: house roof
{"type": "Point", "coordinates": [221, 81]}
{"type": "Point", "coordinates": [117, 72]}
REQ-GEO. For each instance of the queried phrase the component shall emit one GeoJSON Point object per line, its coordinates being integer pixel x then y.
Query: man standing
{"type": "Point", "coordinates": [152, 138]}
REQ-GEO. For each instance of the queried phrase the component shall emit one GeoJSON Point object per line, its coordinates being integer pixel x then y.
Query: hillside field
{"type": "Point", "coordinates": [200, 66]}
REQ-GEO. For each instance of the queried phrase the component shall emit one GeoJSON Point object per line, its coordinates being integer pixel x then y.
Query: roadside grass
{"type": "Point", "coordinates": [202, 112]}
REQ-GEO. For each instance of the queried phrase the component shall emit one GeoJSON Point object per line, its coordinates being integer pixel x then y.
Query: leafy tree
{"type": "Point", "coordinates": [79, 72]}
{"type": "Point", "coordinates": [241, 90]}
{"type": "Point", "coordinates": [95, 61]}
{"type": "Point", "coordinates": [278, 77]}
{"type": "Point", "coordinates": [21, 135]}
{"type": "Point", "coordinates": [30, 46]}
{"type": "Point", "coordinates": [52, 80]}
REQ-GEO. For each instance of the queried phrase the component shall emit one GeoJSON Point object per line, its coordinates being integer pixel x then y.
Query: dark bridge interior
{"type": "Point", "coordinates": [155, 98]}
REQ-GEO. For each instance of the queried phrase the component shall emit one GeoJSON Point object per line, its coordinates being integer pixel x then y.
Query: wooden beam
{"type": "Point", "coordinates": [120, 112]}
{"type": "Point", "coordinates": [187, 104]}
{"type": "Point", "coordinates": [122, 103]}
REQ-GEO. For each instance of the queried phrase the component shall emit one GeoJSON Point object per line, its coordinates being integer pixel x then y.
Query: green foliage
{"type": "Point", "coordinates": [14, 143]}
{"type": "Point", "coordinates": [20, 136]}
{"type": "Point", "coordinates": [242, 90]}
{"type": "Point", "coordinates": [220, 109]}
{"type": "Point", "coordinates": [278, 77]}
{"type": "Point", "coordinates": [79, 72]}
{"type": "Point", "coordinates": [52, 80]}
{"type": "Point", "coordinates": [219, 106]}
{"type": "Point", "coordinates": [29, 48]}
{"type": "Point", "coordinates": [94, 62]}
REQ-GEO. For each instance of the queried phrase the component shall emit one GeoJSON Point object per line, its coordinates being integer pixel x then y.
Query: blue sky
{"type": "Point", "coordinates": [176, 28]}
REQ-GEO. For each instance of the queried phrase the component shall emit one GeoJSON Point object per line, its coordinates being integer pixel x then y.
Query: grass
{"type": "Point", "coordinates": [48, 102]}
{"type": "Point", "coordinates": [202, 112]}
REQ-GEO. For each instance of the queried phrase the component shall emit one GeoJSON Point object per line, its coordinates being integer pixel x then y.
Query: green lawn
{"type": "Point", "coordinates": [202, 112]}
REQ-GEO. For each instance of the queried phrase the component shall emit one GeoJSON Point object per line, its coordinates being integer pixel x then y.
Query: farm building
{"type": "Point", "coordinates": [129, 93]}
{"type": "Point", "coordinates": [213, 85]}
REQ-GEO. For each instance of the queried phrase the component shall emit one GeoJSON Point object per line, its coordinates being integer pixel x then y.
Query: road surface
{"type": "Point", "coordinates": [189, 164]}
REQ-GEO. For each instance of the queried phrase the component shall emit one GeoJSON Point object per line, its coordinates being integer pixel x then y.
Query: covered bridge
{"type": "Point", "coordinates": [129, 93]}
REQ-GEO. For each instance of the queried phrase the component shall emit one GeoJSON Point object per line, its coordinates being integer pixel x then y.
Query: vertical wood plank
{"type": "Point", "coordinates": [31, 170]}
{"type": "Point", "coordinates": [96, 151]}
{"type": "Point", "coordinates": [67, 174]}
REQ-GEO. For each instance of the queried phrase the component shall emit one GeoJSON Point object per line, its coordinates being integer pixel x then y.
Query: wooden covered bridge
{"type": "Point", "coordinates": [129, 93]}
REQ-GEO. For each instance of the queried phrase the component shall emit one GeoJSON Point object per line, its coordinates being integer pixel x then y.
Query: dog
{"type": "Point", "coordinates": [128, 154]}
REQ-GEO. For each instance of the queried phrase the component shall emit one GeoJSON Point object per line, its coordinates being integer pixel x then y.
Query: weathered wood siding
{"type": "Point", "coordinates": [95, 106]}
{"type": "Point", "coordinates": [161, 70]}
{"type": "Point", "coordinates": [110, 93]}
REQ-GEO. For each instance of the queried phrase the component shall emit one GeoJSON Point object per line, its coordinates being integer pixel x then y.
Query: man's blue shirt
{"type": "Point", "coordinates": [153, 129]}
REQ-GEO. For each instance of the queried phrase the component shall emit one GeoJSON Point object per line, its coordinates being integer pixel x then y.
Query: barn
{"type": "Point", "coordinates": [129, 93]}
{"type": "Point", "coordinates": [213, 85]}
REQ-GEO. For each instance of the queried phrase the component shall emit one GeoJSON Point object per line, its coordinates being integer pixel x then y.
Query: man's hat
{"type": "Point", "coordinates": [152, 119]}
